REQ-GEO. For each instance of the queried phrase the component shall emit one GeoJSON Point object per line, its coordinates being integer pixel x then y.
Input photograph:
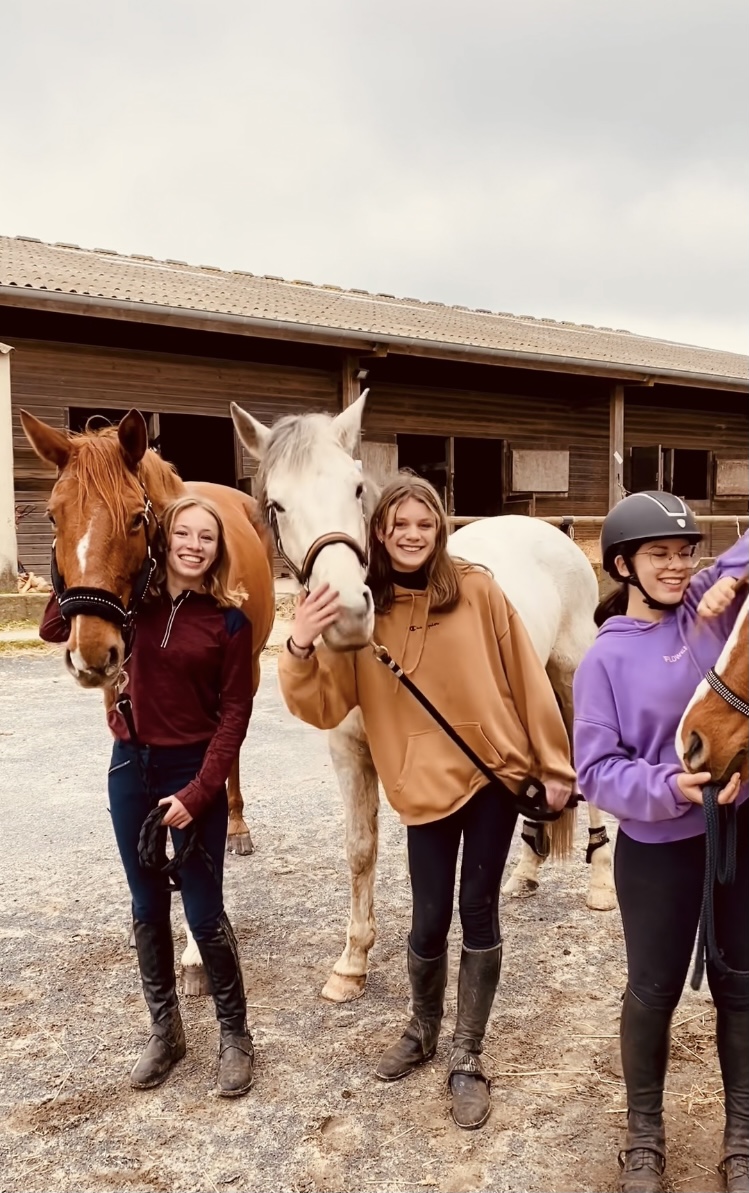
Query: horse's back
{"type": "Point", "coordinates": [250, 551]}
{"type": "Point", "coordinates": [543, 573]}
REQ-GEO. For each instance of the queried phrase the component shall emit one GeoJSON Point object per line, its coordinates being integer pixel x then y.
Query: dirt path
{"type": "Point", "coordinates": [72, 1015]}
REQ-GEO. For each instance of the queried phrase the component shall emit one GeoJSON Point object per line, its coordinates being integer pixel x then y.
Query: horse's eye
{"type": "Point", "coordinates": [276, 507]}
{"type": "Point", "coordinates": [137, 521]}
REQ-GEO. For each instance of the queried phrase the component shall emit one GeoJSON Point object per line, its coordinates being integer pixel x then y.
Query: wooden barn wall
{"type": "Point", "coordinates": [545, 423]}
{"type": "Point", "coordinates": [48, 378]}
{"type": "Point", "coordinates": [721, 431]}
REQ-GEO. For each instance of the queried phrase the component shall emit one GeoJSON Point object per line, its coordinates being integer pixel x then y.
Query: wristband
{"type": "Point", "coordinates": [299, 652]}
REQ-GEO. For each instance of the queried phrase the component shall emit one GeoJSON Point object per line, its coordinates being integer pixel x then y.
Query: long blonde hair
{"type": "Point", "coordinates": [443, 572]}
{"type": "Point", "coordinates": [216, 579]}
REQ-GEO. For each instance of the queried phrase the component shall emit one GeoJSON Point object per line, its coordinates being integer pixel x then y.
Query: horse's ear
{"type": "Point", "coordinates": [48, 443]}
{"type": "Point", "coordinates": [347, 424]}
{"type": "Point", "coordinates": [254, 435]}
{"type": "Point", "coordinates": [132, 433]}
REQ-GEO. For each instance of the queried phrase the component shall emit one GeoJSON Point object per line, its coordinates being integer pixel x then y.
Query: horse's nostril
{"type": "Point", "coordinates": [695, 746]}
{"type": "Point", "coordinates": [114, 656]}
{"type": "Point", "coordinates": [367, 601]}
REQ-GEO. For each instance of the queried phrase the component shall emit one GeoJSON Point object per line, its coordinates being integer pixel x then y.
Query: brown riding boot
{"type": "Point", "coordinates": [166, 1044]}
{"type": "Point", "coordinates": [645, 1036]}
{"type": "Point", "coordinates": [477, 985]}
{"type": "Point", "coordinates": [733, 1050]}
{"type": "Point", "coordinates": [236, 1056]}
{"type": "Point", "coordinates": [419, 1041]}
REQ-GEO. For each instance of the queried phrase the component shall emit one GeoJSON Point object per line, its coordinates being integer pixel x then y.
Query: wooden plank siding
{"type": "Point", "coordinates": [49, 378]}
{"type": "Point", "coordinates": [542, 423]}
{"type": "Point", "coordinates": [723, 432]}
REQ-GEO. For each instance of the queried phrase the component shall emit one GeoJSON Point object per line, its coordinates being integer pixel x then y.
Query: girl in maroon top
{"type": "Point", "coordinates": [190, 696]}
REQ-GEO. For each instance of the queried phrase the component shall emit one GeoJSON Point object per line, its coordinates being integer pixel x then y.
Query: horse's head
{"type": "Point", "coordinates": [714, 734]}
{"type": "Point", "coordinates": [311, 487]}
{"type": "Point", "coordinates": [97, 509]}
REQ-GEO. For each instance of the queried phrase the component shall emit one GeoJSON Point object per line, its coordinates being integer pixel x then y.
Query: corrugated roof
{"type": "Point", "coordinates": [101, 273]}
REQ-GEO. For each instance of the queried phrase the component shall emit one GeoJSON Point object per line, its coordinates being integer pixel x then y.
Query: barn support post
{"type": "Point", "coordinates": [616, 445]}
{"type": "Point", "coordinates": [8, 542]}
{"type": "Point", "coordinates": [350, 387]}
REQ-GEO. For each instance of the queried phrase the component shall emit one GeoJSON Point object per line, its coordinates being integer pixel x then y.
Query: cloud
{"type": "Point", "coordinates": [580, 161]}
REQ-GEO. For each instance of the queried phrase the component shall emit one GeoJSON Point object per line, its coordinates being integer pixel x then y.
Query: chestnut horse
{"type": "Point", "coordinates": [714, 732]}
{"type": "Point", "coordinates": [98, 508]}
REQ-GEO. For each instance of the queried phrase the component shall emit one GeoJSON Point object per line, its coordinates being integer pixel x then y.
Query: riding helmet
{"type": "Point", "coordinates": [641, 518]}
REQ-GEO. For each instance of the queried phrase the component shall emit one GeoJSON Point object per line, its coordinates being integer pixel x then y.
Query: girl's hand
{"type": "Point", "coordinates": [314, 613]}
{"type": "Point", "coordinates": [177, 816]}
{"type": "Point", "coordinates": [557, 793]}
{"type": "Point", "coordinates": [719, 597]}
{"type": "Point", "coordinates": [691, 786]}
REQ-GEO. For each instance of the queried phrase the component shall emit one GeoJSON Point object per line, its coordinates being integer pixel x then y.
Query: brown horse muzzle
{"type": "Point", "coordinates": [95, 652]}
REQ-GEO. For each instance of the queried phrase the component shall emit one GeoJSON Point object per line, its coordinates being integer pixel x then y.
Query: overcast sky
{"type": "Point", "coordinates": [575, 159]}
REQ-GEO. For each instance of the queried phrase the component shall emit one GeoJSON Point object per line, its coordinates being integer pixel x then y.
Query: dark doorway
{"type": "Point", "coordinates": [200, 446]}
{"type": "Point", "coordinates": [427, 456]}
{"type": "Point", "coordinates": [478, 477]}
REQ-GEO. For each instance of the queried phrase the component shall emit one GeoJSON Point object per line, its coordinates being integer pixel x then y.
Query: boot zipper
{"type": "Point", "coordinates": [175, 606]}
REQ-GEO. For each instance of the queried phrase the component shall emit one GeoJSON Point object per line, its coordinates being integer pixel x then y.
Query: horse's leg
{"type": "Point", "coordinates": [194, 977]}
{"type": "Point", "coordinates": [357, 778]}
{"type": "Point", "coordinates": [523, 882]}
{"type": "Point", "coordinates": [601, 890]}
{"type": "Point", "coordinates": [238, 838]}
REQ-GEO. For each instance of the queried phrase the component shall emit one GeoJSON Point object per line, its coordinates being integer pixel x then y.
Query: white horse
{"type": "Point", "coordinates": [311, 487]}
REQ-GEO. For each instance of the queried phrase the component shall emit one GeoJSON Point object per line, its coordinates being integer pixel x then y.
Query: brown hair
{"type": "Point", "coordinates": [443, 572]}
{"type": "Point", "coordinates": [216, 579]}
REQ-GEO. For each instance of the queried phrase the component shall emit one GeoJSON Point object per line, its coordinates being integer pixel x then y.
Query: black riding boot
{"type": "Point", "coordinates": [419, 1041]}
{"type": "Point", "coordinates": [477, 985]}
{"type": "Point", "coordinates": [733, 1050]}
{"type": "Point", "coordinates": [236, 1054]}
{"type": "Point", "coordinates": [166, 1044]}
{"type": "Point", "coordinates": [645, 1038]}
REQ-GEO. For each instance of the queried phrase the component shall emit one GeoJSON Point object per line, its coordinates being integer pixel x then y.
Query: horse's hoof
{"type": "Point", "coordinates": [342, 987]}
{"type": "Point", "coordinates": [601, 898]}
{"type": "Point", "coordinates": [195, 981]}
{"type": "Point", "coordinates": [240, 843]}
{"type": "Point", "coordinates": [520, 888]}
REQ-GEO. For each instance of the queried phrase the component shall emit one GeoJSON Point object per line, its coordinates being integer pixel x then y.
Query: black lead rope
{"type": "Point", "coordinates": [530, 801]}
{"type": "Point", "coordinates": [152, 838]}
{"type": "Point", "coordinates": [720, 867]}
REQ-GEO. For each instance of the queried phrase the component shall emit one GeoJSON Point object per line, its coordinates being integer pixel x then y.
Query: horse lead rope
{"type": "Point", "coordinates": [720, 867]}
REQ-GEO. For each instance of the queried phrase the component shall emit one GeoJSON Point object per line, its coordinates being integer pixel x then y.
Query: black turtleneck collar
{"type": "Point", "coordinates": [415, 581]}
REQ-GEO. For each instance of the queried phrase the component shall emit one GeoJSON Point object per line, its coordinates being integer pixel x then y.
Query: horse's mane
{"type": "Point", "coordinates": [97, 464]}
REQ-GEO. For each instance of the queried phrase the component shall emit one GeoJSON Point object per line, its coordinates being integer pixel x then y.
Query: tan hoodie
{"type": "Point", "coordinates": [476, 664]}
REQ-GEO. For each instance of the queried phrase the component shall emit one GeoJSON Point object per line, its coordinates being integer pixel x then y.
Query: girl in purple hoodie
{"type": "Point", "coordinates": [661, 630]}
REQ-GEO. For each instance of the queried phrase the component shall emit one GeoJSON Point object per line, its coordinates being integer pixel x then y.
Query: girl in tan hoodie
{"type": "Point", "coordinates": [450, 627]}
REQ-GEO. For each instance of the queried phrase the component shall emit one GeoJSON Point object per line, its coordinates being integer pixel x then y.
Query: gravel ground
{"type": "Point", "coordinates": [73, 1017]}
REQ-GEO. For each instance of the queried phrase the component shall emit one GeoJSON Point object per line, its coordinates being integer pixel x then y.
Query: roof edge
{"type": "Point", "coordinates": [227, 323]}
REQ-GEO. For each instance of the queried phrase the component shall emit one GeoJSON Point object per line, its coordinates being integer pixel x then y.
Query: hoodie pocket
{"type": "Point", "coordinates": [436, 773]}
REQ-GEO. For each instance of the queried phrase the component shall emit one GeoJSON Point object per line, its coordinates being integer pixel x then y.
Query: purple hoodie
{"type": "Point", "coordinates": [630, 692]}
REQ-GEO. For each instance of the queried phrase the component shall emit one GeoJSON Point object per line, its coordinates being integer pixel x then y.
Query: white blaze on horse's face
{"type": "Point", "coordinates": [315, 487]}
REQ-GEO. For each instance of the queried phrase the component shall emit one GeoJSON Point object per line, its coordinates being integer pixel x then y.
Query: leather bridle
{"type": "Point", "coordinates": [100, 602]}
{"type": "Point", "coordinates": [303, 574]}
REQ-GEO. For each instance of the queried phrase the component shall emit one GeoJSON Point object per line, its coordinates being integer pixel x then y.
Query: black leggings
{"type": "Point", "coordinates": [660, 893]}
{"type": "Point", "coordinates": [486, 823]}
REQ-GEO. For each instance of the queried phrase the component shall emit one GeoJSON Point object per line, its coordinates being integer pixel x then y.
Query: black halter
{"type": "Point", "coordinates": [736, 702]}
{"type": "Point", "coordinates": [100, 602]}
{"type": "Point", "coordinates": [303, 574]}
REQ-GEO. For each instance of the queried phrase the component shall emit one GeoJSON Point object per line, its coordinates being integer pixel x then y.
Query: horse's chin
{"type": "Point", "coordinates": [93, 678]}
{"type": "Point", "coordinates": [352, 635]}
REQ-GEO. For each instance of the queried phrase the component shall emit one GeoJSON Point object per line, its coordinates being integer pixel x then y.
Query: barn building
{"type": "Point", "coordinates": [504, 413]}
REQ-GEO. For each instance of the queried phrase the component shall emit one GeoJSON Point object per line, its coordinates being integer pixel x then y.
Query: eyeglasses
{"type": "Point", "coordinates": [661, 557]}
